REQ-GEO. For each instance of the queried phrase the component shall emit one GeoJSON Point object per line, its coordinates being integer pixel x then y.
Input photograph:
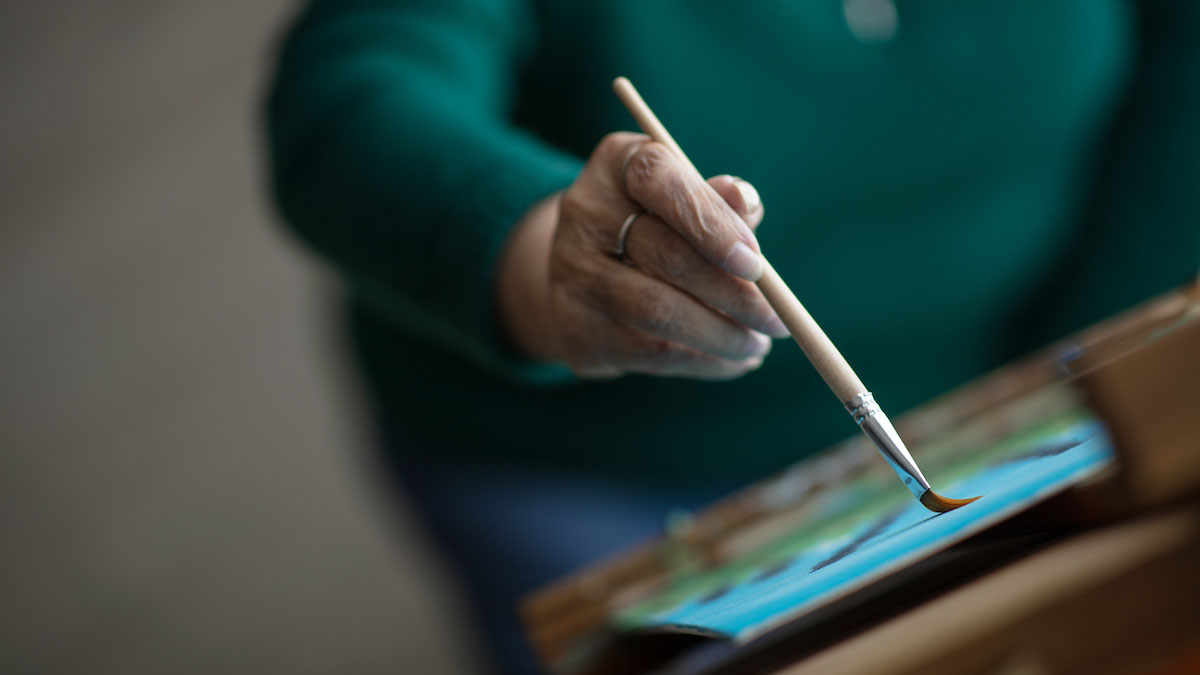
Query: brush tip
{"type": "Point", "coordinates": [939, 504]}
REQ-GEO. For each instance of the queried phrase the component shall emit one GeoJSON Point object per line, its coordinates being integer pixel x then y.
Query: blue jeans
{"type": "Point", "coordinates": [506, 531]}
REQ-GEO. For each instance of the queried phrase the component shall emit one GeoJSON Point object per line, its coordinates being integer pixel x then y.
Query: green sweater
{"type": "Point", "coordinates": [997, 174]}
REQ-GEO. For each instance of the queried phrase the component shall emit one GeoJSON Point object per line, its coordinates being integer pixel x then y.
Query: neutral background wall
{"type": "Point", "coordinates": [183, 485]}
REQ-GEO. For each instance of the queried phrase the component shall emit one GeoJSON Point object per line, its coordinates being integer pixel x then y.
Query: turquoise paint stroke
{"type": "Point", "coordinates": [897, 539]}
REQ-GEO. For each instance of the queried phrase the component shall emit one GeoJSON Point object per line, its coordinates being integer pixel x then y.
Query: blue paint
{"type": "Point", "coordinates": [898, 539]}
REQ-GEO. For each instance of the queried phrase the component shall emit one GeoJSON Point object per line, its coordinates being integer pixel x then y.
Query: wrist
{"type": "Point", "coordinates": [522, 294]}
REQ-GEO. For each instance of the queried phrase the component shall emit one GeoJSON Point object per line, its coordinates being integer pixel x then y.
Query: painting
{"type": "Point", "coordinates": [866, 526]}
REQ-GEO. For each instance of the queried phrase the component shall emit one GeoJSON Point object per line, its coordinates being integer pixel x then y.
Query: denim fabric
{"type": "Point", "coordinates": [506, 531]}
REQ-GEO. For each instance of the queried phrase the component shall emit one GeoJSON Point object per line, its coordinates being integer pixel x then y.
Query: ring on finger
{"type": "Point", "coordinates": [623, 234]}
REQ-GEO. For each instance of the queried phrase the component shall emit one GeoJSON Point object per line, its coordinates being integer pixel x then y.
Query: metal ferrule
{"type": "Point", "coordinates": [876, 425]}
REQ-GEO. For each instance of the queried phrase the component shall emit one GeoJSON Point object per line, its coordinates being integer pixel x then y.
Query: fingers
{"type": "Point", "coordinates": [741, 196]}
{"type": "Point", "coordinates": [608, 349]}
{"type": "Point", "coordinates": [666, 359]}
{"type": "Point", "coordinates": [680, 308]}
{"type": "Point", "coordinates": [662, 182]}
{"type": "Point", "coordinates": [663, 311]}
{"type": "Point", "coordinates": [656, 249]}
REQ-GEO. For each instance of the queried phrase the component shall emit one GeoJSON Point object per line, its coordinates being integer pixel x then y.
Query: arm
{"type": "Point", "coordinates": [394, 158]}
{"type": "Point", "coordinates": [664, 309]}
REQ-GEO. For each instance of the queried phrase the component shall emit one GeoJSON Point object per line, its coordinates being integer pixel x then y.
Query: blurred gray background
{"type": "Point", "coordinates": [183, 485]}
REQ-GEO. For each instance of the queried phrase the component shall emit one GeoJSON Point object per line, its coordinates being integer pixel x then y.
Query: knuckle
{"type": "Point", "coordinates": [615, 144]}
{"type": "Point", "coordinates": [654, 312]}
{"type": "Point", "coordinates": [676, 260]}
{"type": "Point", "coordinates": [646, 168]}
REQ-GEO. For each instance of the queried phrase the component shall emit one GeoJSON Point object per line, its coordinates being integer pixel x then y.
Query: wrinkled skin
{"type": "Point", "coordinates": [682, 301]}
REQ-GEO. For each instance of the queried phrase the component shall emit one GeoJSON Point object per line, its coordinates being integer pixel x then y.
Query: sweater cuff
{"type": "Point", "coordinates": [516, 173]}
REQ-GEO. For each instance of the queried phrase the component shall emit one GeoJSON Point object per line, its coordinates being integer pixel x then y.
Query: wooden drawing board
{"type": "Point", "coordinates": [836, 528]}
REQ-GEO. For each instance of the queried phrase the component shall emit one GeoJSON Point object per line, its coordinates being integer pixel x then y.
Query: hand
{"type": "Point", "coordinates": [681, 301]}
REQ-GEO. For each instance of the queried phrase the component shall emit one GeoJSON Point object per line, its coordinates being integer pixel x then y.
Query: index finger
{"type": "Point", "coordinates": [661, 181]}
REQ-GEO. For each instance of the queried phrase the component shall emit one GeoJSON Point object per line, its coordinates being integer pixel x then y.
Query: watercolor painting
{"type": "Point", "coordinates": [866, 528]}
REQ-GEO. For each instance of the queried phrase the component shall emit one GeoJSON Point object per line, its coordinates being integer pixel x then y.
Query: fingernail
{"type": "Point", "coordinates": [759, 344]}
{"type": "Point", "coordinates": [750, 196]}
{"type": "Point", "coordinates": [744, 262]}
{"type": "Point", "coordinates": [752, 364]}
{"type": "Point", "coordinates": [776, 328]}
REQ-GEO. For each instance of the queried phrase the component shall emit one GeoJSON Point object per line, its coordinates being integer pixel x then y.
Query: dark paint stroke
{"type": "Point", "coordinates": [861, 540]}
{"type": "Point", "coordinates": [1044, 451]}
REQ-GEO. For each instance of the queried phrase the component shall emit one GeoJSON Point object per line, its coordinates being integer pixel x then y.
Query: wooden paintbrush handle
{"type": "Point", "coordinates": [816, 345]}
{"type": "Point", "coordinates": [646, 120]}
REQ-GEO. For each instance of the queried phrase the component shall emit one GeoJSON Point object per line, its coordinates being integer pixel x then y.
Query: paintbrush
{"type": "Point", "coordinates": [824, 356]}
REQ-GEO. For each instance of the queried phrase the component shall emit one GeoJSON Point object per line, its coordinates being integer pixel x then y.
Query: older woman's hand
{"type": "Point", "coordinates": [679, 301]}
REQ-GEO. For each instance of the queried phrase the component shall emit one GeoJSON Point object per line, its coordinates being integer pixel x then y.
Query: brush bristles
{"type": "Point", "coordinates": [939, 504]}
